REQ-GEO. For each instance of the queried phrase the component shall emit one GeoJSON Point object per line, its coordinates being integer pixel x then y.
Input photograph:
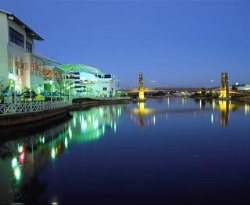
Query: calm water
{"type": "Point", "coordinates": [168, 150]}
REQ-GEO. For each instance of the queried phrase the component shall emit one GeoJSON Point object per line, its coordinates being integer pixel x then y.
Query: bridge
{"type": "Point", "coordinates": [224, 91]}
{"type": "Point", "coordinates": [169, 89]}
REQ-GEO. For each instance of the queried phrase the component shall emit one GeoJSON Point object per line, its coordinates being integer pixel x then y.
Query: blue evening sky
{"type": "Point", "coordinates": [173, 42]}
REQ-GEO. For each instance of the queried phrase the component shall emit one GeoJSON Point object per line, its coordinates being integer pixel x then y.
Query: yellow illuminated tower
{"type": "Point", "coordinates": [224, 93]}
{"type": "Point", "coordinates": [141, 96]}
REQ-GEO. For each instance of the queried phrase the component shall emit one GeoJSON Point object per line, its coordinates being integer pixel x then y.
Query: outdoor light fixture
{"type": "Point", "coordinates": [11, 17]}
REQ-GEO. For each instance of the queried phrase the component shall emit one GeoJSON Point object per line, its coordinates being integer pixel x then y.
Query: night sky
{"type": "Point", "coordinates": [173, 42]}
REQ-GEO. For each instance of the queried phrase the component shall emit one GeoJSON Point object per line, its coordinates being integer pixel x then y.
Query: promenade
{"type": "Point", "coordinates": [20, 113]}
{"type": "Point", "coordinates": [12, 114]}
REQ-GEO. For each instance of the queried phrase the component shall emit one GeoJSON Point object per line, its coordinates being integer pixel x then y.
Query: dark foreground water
{"type": "Point", "coordinates": [166, 151]}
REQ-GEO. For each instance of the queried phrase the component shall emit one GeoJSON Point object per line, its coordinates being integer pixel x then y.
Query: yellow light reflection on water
{"type": "Point", "coordinates": [142, 110]}
{"type": "Point", "coordinates": [247, 108]}
{"type": "Point", "coordinates": [17, 173]}
{"type": "Point", "coordinates": [213, 104]}
{"type": "Point", "coordinates": [226, 105]}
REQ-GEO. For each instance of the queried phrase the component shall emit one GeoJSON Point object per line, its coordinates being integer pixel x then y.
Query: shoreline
{"type": "Point", "coordinates": [44, 117]}
{"type": "Point", "coordinates": [48, 116]}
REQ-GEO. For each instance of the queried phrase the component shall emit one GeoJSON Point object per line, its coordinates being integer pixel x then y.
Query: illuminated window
{"type": "Point", "coordinates": [20, 68]}
{"type": "Point", "coordinates": [16, 37]}
{"type": "Point", "coordinates": [17, 64]}
{"type": "Point", "coordinates": [40, 69]}
{"type": "Point", "coordinates": [33, 67]}
{"type": "Point", "coordinates": [11, 63]}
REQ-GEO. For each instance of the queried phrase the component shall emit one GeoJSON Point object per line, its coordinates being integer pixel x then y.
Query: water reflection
{"type": "Point", "coordinates": [141, 110]}
{"type": "Point", "coordinates": [92, 124]}
{"type": "Point", "coordinates": [225, 106]}
{"type": "Point", "coordinates": [21, 160]}
{"type": "Point", "coordinates": [145, 115]}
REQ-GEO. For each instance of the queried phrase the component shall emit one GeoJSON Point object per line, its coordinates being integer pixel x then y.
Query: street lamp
{"type": "Point", "coordinates": [51, 84]}
{"type": "Point", "coordinates": [153, 82]}
{"type": "Point", "coordinates": [211, 81]}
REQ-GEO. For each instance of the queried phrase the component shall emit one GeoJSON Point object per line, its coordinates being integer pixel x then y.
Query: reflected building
{"type": "Point", "coordinates": [224, 106]}
{"type": "Point", "coordinates": [141, 109]}
{"type": "Point", "coordinates": [139, 114]}
{"type": "Point", "coordinates": [22, 159]}
{"type": "Point", "coordinates": [224, 109]}
{"type": "Point", "coordinates": [91, 124]}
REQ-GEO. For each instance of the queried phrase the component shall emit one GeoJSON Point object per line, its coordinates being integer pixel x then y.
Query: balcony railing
{"type": "Point", "coordinates": [20, 107]}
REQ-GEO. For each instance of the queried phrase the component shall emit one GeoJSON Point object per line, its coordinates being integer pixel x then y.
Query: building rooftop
{"type": "Point", "coordinates": [28, 30]}
{"type": "Point", "coordinates": [80, 68]}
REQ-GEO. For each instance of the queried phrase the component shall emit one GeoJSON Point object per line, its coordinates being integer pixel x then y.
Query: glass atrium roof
{"type": "Point", "coordinates": [80, 68]}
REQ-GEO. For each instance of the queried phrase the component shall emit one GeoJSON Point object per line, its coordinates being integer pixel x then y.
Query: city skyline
{"type": "Point", "coordinates": [173, 43]}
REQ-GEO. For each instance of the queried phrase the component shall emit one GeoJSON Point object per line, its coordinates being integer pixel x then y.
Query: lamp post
{"type": "Point", "coordinates": [153, 83]}
{"type": "Point", "coordinates": [51, 84]}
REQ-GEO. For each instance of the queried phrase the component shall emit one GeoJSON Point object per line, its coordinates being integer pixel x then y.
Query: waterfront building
{"type": "Point", "coordinates": [22, 69]}
{"type": "Point", "coordinates": [51, 79]}
{"type": "Point", "coordinates": [17, 47]}
{"type": "Point", "coordinates": [87, 81]}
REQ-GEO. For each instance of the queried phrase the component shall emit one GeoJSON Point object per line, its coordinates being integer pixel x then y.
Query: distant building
{"type": "Point", "coordinates": [86, 81]}
{"type": "Point", "coordinates": [241, 87]}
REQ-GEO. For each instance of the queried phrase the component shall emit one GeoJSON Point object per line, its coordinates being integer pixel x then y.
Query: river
{"type": "Point", "coordinates": [163, 151]}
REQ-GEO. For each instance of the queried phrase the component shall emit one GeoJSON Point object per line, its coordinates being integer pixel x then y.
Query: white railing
{"type": "Point", "coordinates": [110, 98]}
{"type": "Point", "coordinates": [12, 108]}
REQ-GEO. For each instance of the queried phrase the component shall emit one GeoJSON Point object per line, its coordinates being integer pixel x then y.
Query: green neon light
{"type": "Point", "coordinates": [80, 68]}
